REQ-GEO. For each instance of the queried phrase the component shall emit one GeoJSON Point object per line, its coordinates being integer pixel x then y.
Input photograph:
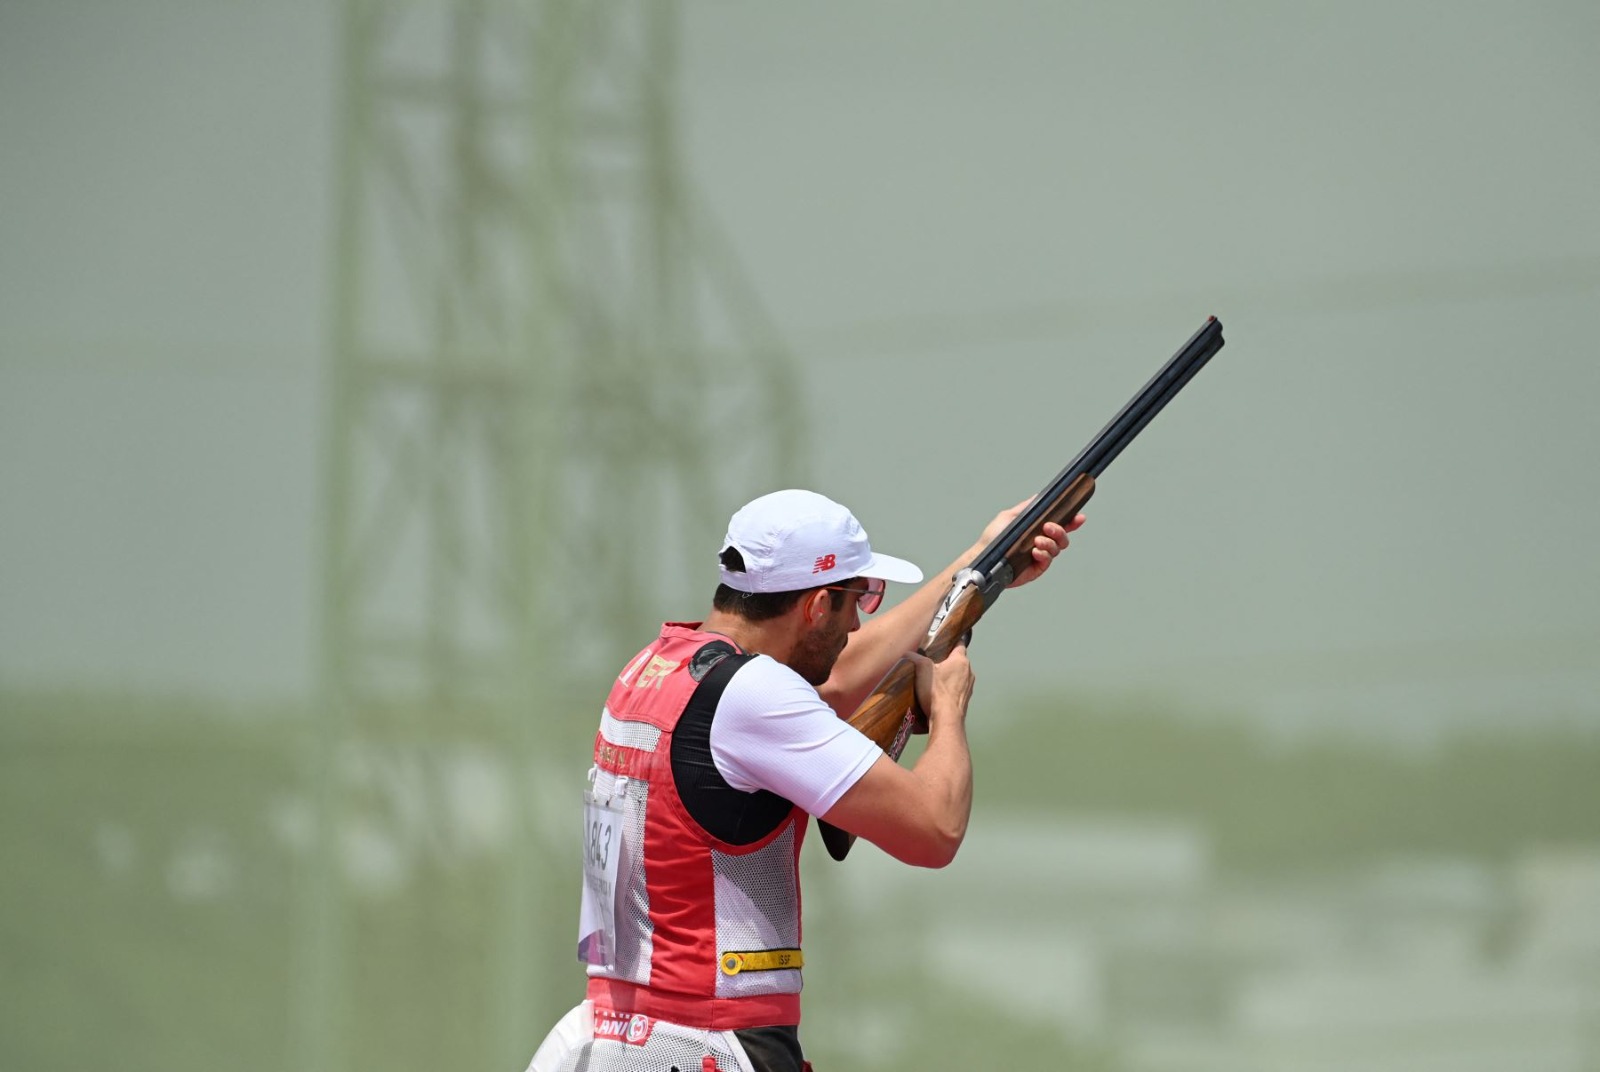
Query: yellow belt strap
{"type": "Point", "coordinates": [761, 960]}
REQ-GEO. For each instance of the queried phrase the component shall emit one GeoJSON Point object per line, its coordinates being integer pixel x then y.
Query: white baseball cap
{"type": "Point", "coordinates": [792, 540]}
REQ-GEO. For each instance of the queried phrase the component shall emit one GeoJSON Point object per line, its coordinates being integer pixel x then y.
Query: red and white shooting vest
{"type": "Point", "coordinates": [705, 933]}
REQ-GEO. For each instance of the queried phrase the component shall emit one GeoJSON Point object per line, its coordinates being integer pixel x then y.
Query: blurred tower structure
{"type": "Point", "coordinates": [549, 386]}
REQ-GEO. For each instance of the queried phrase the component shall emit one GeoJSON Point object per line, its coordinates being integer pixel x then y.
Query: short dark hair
{"type": "Point", "coordinates": [759, 606]}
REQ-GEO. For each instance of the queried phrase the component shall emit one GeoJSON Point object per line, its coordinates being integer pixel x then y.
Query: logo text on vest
{"type": "Point", "coordinates": [655, 672]}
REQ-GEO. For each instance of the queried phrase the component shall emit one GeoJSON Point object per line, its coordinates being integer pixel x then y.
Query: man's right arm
{"type": "Point", "coordinates": [919, 816]}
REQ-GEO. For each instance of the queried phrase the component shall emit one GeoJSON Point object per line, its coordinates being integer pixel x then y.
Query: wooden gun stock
{"type": "Point", "coordinates": [891, 713]}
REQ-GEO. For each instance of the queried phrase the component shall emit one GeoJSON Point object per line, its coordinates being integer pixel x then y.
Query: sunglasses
{"type": "Point", "coordinates": [869, 598]}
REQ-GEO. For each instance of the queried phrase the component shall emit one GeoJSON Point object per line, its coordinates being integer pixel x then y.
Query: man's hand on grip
{"type": "Point", "coordinates": [944, 688]}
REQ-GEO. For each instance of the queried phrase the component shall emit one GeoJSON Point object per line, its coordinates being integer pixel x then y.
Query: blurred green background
{"type": "Point", "coordinates": [374, 375]}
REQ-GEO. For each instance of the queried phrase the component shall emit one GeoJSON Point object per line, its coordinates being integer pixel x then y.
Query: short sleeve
{"type": "Point", "coordinates": [772, 731]}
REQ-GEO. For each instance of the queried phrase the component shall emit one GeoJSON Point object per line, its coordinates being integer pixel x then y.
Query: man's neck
{"type": "Point", "coordinates": [758, 638]}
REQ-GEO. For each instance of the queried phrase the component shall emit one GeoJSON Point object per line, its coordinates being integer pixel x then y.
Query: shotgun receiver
{"type": "Point", "coordinates": [891, 713]}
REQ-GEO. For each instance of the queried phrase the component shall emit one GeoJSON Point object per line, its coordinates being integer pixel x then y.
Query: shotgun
{"type": "Point", "coordinates": [891, 714]}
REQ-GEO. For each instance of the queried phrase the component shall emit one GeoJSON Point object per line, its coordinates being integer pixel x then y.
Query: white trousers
{"type": "Point", "coordinates": [649, 1046]}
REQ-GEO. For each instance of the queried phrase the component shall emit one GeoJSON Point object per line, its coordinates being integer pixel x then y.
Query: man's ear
{"type": "Point", "coordinates": [813, 606]}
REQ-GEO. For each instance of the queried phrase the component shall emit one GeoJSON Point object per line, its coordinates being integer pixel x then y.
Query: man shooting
{"type": "Point", "coordinates": [717, 741]}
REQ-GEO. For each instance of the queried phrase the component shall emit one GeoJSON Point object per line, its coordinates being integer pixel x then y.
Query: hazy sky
{"type": "Point", "coordinates": [980, 228]}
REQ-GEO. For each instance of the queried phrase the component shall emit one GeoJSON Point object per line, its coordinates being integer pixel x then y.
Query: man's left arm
{"type": "Point", "coordinates": [881, 641]}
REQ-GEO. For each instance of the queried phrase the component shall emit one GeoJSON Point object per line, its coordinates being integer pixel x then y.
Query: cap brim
{"type": "Point", "coordinates": [889, 568]}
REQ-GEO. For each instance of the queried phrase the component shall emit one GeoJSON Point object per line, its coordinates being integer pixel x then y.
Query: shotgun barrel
{"type": "Point", "coordinates": [1103, 449]}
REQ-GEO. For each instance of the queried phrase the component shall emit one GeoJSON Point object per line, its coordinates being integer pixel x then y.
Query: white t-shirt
{"type": "Point", "coordinates": [772, 731]}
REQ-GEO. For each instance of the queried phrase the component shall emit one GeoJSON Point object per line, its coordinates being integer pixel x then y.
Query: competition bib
{"type": "Point", "coordinates": [602, 850]}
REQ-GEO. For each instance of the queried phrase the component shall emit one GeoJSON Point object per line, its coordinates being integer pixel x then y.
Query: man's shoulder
{"type": "Point", "coordinates": [764, 695]}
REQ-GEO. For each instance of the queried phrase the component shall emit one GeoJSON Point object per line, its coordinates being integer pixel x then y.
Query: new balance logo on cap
{"type": "Point", "coordinates": [825, 563]}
